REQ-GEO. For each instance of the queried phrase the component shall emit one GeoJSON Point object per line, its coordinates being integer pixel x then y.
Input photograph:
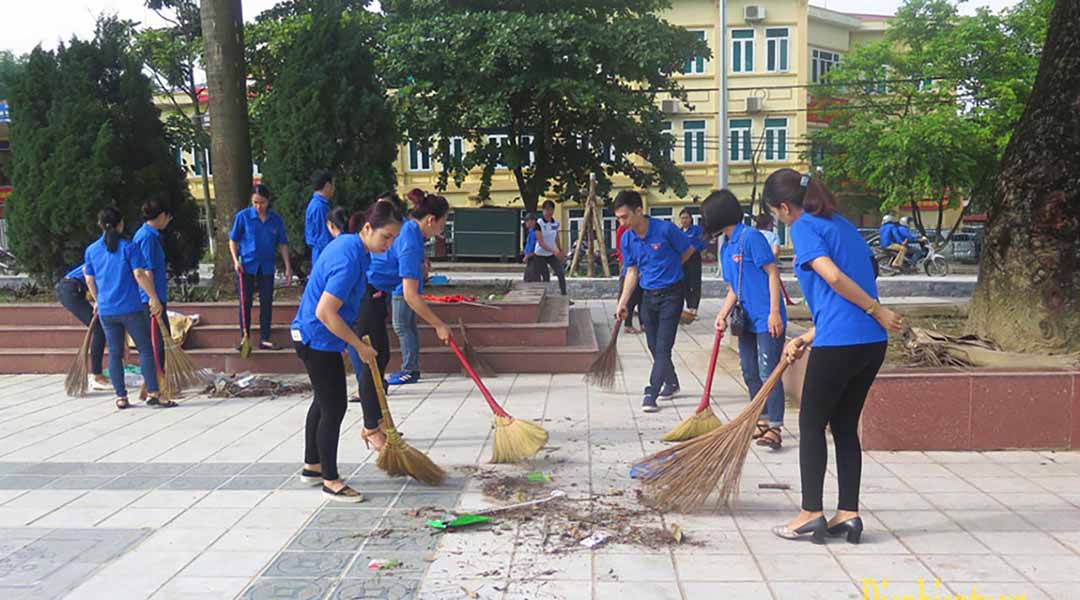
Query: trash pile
{"type": "Point", "coordinates": [246, 385]}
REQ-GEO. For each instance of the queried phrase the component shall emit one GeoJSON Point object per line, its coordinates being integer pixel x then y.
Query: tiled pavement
{"type": "Point", "coordinates": [201, 502]}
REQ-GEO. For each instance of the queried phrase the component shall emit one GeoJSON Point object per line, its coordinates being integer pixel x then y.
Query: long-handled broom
{"type": "Point", "coordinates": [79, 374]}
{"type": "Point", "coordinates": [602, 371]}
{"type": "Point", "coordinates": [683, 477]}
{"type": "Point", "coordinates": [396, 457]}
{"type": "Point", "coordinates": [245, 342]}
{"type": "Point", "coordinates": [180, 370]}
{"type": "Point", "coordinates": [482, 366]}
{"type": "Point", "coordinates": [703, 420]}
{"type": "Point", "coordinates": [515, 439]}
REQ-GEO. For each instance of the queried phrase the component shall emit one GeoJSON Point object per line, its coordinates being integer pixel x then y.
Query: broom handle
{"type": "Point", "coordinates": [706, 395]}
{"type": "Point", "coordinates": [495, 408]}
{"type": "Point", "coordinates": [376, 379]}
{"type": "Point", "coordinates": [243, 315]}
{"type": "Point", "coordinates": [155, 324]}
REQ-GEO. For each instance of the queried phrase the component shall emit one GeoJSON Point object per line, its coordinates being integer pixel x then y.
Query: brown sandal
{"type": "Point", "coordinates": [159, 402]}
{"type": "Point", "coordinates": [771, 438]}
{"type": "Point", "coordinates": [762, 428]}
{"type": "Point", "coordinates": [122, 403]}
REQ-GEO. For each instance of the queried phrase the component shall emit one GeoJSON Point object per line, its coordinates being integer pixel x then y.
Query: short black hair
{"type": "Point", "coordinates": [685, 211]}
{"type": "Point", "coordinates": [320, 178]}
{"type": "Point", "coordinates": [719, 210]}
{"type": "Point", "coordinates": [154, 206]}
{"type": "Point", "coordinates": [628, 198]}
{"type": "Point", "coordinates": [530, 216]}
{"type": "Point", "coordinates": [261, 190]}
{"type": "Point", "coordinates": [548, 204]}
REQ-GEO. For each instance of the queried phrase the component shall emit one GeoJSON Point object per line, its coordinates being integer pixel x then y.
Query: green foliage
{"type": "Point", "coordinates": [88, 136]}
{"type": "Point", "coordinates": [322, 106]}
{"type": "Point", "coordinates": [927, 112]}
{"type": "Point", "coordinates": [580, 77]}
{"type": "Point", "coordinates": [10, 65]}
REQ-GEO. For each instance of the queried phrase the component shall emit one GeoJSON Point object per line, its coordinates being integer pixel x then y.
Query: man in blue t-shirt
{"type": "Point", "coordinates": [316, 235]}
{"type": "Point", "coordinates": [653, 254]}
{"type": "Point", "coordinates": [910, 240]}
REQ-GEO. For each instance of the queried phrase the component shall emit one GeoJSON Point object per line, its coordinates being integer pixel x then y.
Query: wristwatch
{"type": "Point", "coordinates": [873, 306]}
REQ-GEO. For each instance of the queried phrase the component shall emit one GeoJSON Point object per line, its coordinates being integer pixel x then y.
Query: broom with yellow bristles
{"type": "Point", "coordinates": [180, 370]}
{"type": "Point", "coordinates": [704, 419]}
{"type": "Point", "coordinates": [79, 374]}
{"type": "Point", "coordinates": [515, 439]}
{"type": "Point", "coordinates": [602, 371]}
{"type": "Point", "coordinates": [396, 457]}
{"type": "Point", "coordinates": [683, 477]}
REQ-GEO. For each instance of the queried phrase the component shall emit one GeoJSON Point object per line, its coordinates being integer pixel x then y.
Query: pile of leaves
{"type": "Point", "coordinates": [250, 386]}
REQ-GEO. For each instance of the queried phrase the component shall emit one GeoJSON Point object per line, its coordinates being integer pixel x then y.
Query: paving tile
{"type": "Point", "coordinates": [266, 588]}
{"type": "Point", "coordinates": [141, 517]}
{"type": "Point", "coordinates": [194, 483]}
{"type": "Point", "coordinates": [412, 565]}
{"type": "Point", "coordinates": [271, 468]}
{"type": "Point", "coordinates": [327, 540]}
{"type": "Point", "coordinates": [717, 568]}
{"type": "Point", "coordinates": [351, 521]}
{"type": "Point", "coordinates": [550, 590]}
{"type": "Point", "coordinates": [801, 567]}
{"type": "Point", "coordinates": [942, 542]}
{"type": "Point", "coordinates": [253, 539]}
{"type": "Point", "coordinates": [209, 469]}
{"type": "Point", "coordinates": [233, 499]}
{"type": "Point", "coordinates": [388, 589]}
{"type": "Point", "coordinates": [892, 567]}
{"type": "Point", "coordinates": [213, 563]}
{"type": "Point", "coordinates": [24, 482]}
{"type": "Point", "coordinates": [1020, 542]}
{"type": "Point", "coordinates": [220, 519]}
{"type": "Point", "coordinates": [970, 567]}
{"type": "Point", "coordinates": [414, 500]}
{"type": "Point", "coordinates": [191, 588]}
{"type": "Point", "coordinates": [254, 482]}
{"type": "Point", "coordinates": [137, 482]}
{"type": "Point", "coordinates": [161, 469]}
{"type": "Point", "coordinates": [179, 539]}
{"type": "Point", "coordinates": [275, 517]}
{"type": "Point", "coordinates": [79, 482]}
{"type": "Point", "coordinates": [816, 590]}
{"type": "Point", "coordinates": [606, 590]}
{"type": "Point", "coordinates": [169, 499]}
{"type": "Point", "coordinates": [309, 564]}
{"type": "Point", "coordinates": [1048, 569]}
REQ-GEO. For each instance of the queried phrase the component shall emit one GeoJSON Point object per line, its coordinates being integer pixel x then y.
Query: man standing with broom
{"type": "Point", "coordinates": [653, 254]}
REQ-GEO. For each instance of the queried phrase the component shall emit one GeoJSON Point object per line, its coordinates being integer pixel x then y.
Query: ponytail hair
{"type": "Point", "coordinates": [109, 220]}
{"type": "Point", "coordinates": [356, 221]}
{"type": "Point", "coordinates": [803, 191]}
{"type": "Point", "coordinates": [415, 196]}
{"type": "Point", "coordinates": [430, 204]}
{"type": "Point", "coordinates": [339, 217]}
{"type": "Point", "coordinates": [380, 214]}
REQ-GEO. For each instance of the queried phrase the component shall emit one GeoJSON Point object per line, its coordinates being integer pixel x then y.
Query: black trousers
{"type": "Point", "coordinates": [536, 269]}
{"type": "Point", "coordinates": [660, 311]}
{"type": "Point", "coordinates": [72, 295]}
{"type": "Point", "coordinates": [633, 303]}
{"type": "Point", "coordinates": [372, 322]}
{"type": "Point", "coordinates": [264, 285]}
{"type": "Point", "coordinates": [556, 265]}
{"type": "Point", "coordinates": [155, 330]}
{"type": "Point", "coordinates": [326, 370]}
{"type": "Point", "coordinates": [692, 280]}
{"type": "Point", "coordinates": [838, 379]}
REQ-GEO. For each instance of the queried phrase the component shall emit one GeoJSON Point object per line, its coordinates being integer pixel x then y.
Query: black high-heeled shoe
{"type": "Point", "coordinates": [852, 527]}
{"type": "Point", "coordinates": [817, 528]}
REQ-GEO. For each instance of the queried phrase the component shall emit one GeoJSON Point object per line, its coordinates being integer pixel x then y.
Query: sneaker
{"type": "Point", "coordinates": [404, 378]}
{"type": "Point", "coordinates": [649, 404]}
{"type": "Point", "coordinates": [98, 385]}
{"type": "Point", "coordinates": [668, 391]}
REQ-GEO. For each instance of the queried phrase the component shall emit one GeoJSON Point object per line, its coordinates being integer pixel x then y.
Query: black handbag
{"type": "Point", "coordinates": [736, 319]}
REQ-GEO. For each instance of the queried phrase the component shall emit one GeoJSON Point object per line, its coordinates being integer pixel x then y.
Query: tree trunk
{"type": "Point", "coordinates": [230, 145]}
{"type": "Point", "coordinates": [1028, 295]}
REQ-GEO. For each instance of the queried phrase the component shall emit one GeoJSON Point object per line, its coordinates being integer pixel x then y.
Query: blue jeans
{"type": "Point", "coordinates": [758, 355]}
{"type": "Point", "coordinates": [137, 325]}
{"type": "Point", "coordinates": [660, 312]}
{"type": "Point", "coordinates": [407, 333]}
{"type": "Point", "coordinates": [72, 295]}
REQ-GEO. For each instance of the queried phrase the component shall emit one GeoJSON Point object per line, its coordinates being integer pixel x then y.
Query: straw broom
{"type": "Point", "coordinates": [681, 478]}
{"type": "Point", "coordinates": [482, 366]}
{"type": "Point", "coordinates": [245, 342]}
{"type": "Point", "coordinates": [79, 373]}
{"type": "Point", "coordinates": [602, 371]}
{"type": "Point", "coordinates": [703, 420]}
{"type": "Point", "coordinates": [397, 457]}
{"type": "Point", "coordinates": [180, 370]}
{"type": "Point", "coordinates": [515, 440]}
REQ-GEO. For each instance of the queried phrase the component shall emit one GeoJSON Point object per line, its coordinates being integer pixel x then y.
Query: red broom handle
{"type": "Point", "coordinates": [705, 397]}
{"type": "Point", "coordinates": [495, 408]}
{"type": "Point", "coordinates": [787, 299]}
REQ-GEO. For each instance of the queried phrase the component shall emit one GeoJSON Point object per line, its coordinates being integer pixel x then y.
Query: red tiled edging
{"type": "Point", "coordinates": [972, 410]}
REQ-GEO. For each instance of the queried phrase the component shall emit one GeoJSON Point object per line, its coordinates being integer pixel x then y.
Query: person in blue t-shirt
{"type": "Point", "coordinates": [753, 278]}
{"type": "Point", "coordinates": [399, 273]}
{"type": "Point", "coordinates": [116, 273]}
{"type": "Point", "coordinates": [148, 241]}
{"type": "Point", "coordinates": [72, 293]}
{"type": "Point", "coordinates": [692, 267]}
{"type": "Point", "coordinates": [316, 234]}
{"type": "Point", "coordinates": [911, 241]}
{"type": "Point", "coordinates": [848, 340]}
{"type": "Point", "coordinates": [257, 238]}
{"type": "Point", "coordinates": [322, 330]}
{"type": "Point", "coordinates": [535, 268]}
{"type": "Point", "coordinates": [890, 238]}
{"type": "Point", "coordinates": [653, 253]}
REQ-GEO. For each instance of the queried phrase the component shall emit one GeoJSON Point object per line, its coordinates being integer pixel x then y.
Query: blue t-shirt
{"type": "Point", "coordinates": [340, 271]}
{"type": "Point", "coordinates": [404, 260]}
{"type": "Point", "coordinates": [148, 240]}
{"type": "Point", "coordinates": [694, 235]}
{"type": "Point", "coordinates": [316, 234]}
{"type": "Point", "coordinates": [530, 243]}
{"type": "Point", "coordinates": [258, 239]}
{"type": "Point", "coordinates": [837, 321]}
{"type": "Point", "coordinates": [888, 235]}
{"type": "Point", "coordinates": [117, 290]}
{"type": "Point", "coordinates": [657, 256]}
{"type": "Point", "coordinates": [904, 234]}
{"type": "Point", "coordinates": [76, 273]}
{"type": "Point", "coordinates": [750, 249]}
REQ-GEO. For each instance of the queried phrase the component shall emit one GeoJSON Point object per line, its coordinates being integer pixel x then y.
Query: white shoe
{"type": "Point", "coordinates": [98, 386]}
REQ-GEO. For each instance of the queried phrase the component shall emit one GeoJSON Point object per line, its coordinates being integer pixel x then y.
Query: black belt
{"type": "Point", "coordinates": [671, 289]}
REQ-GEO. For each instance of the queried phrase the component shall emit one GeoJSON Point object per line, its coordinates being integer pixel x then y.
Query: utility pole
{"type": "Point", "coordinates": [722, 126]}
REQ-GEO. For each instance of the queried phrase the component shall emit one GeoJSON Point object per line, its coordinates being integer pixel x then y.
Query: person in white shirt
{"type": "Point", "coordinates": [549, 245]}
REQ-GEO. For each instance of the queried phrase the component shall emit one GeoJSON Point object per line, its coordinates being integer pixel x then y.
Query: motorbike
{"type": "Point", "coordinates": [932, 263]}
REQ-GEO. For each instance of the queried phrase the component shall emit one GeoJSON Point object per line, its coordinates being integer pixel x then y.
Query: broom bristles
{"type": "Point", "coordinates": [695, 425]}
{"type": "Point", "coordinates": [602, 371]}
{"type": "Point", "coordinates": [478, 362]}
{"type": "Point", "coordinates": [180, 371]}
{"type": "Point", "coordinates": [79, 374]}
{"type": "Point", "coordinates": [399, 458]}
{"type": "Point", "coordinates": [683, 477]}
{"type": "Point", "coordinates": [516, 440]}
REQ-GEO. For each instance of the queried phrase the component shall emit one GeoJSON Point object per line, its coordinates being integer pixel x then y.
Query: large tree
{"type": "Point", "coordinates": [10, 65]}
{"type": "Point", "coordinates": [226, 77]}
{"type": "Point", "coordinates": [552, 91]}
{"type": "Point", "coordinates": [1028, 295]}
{"type": "Point", "coordinates": [321, 106]}
{"type": "Point", "coordinates": [89, 135]}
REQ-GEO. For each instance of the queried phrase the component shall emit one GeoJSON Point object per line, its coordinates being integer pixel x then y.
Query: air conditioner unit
{"type": "Point", "coordinates": [755, 104]}
{"type": "Point", "coordinates": [669, 107]}
{"type": "Point", "coordinates": [754, 12]}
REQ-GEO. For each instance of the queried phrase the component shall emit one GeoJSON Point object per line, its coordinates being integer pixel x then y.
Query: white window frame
{"type": "Point", "coordinates": [575, 222]}
{"type": "Point", "coordinates": [457, 147]}
{"type": "Point", "coordinates": [776, 137]}
{"type": "Point", "coordinates": [741, 140]}
{"type": "Point", "coordinates": [819, 59]}
{"type": "Point", "coordinates": [694, 147]}
{"type": "Point", "coordinates": [502, 138]}
{"type": "Point", "coordinates": [419, 157]}
{"type": "Point", "coordinates": [657, 212]}
{"type": "Point", "coordinates": [697, 65]}
{"type": "Point", "coordinates": [666, 127]}
{"type": "Point", "coordinates": [777, 50]}
{"type": "Point", "coordinates": [743, 44]}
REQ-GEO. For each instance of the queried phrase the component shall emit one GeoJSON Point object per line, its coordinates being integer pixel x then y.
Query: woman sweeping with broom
{"type": "Point", "coordinates": [847, 346]}
{"type": "Point", "coordinates": [321, 331]}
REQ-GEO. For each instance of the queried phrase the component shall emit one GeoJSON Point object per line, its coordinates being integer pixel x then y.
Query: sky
{"type": "Point", "coordinates": [27, 23]}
